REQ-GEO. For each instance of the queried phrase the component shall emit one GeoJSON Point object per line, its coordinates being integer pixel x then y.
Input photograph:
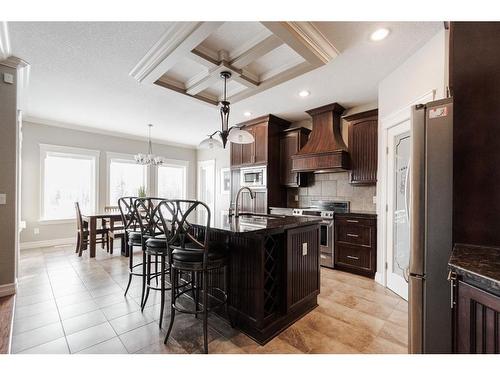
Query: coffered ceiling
{"type": "Point", "coordinates": [103, 76]}
{"type": "Point", "coordinates": [190, 57]}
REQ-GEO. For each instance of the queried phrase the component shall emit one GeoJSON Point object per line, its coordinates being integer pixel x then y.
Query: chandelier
{"type": "Point", "coordinates": [149, 158]}
{"type": "Point", "coordinates": [234, 133]}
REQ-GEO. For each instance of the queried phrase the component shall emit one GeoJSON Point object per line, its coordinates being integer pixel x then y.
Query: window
{"type": "Point", "coordinates": [125, 177]}
{"type": "Point", "coordinates": [68, 175]}
{"type": "Point", "coordinates": [171, 179]}
{"type": "Point", "coordinates": [206, 183]}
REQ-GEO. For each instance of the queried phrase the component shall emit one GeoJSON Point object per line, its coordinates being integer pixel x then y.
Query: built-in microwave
{"type": "Point", "coordinates": [254, 177]}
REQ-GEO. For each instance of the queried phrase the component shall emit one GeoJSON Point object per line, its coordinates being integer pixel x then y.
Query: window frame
{"type": "Point", "coordinates": [84, 153]}
{"type": "Point", "coordinates": [123, 156]}
{"type": "Point", "coordinates": [173, 163]}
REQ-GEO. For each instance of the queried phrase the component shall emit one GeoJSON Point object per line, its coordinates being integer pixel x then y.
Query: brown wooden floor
{"type": "Point", "coordinates": [68, 304]}
{"type": "Point", "coordinates": [6, 307]}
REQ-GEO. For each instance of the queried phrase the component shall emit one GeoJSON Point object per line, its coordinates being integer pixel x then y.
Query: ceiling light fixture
{"type": "Point", "coordinates": [379, 34]}
{"type": "Point", "coordinates": [304, 93]}
{"type": "Point", "coordinates": [232, 134]}
{"type": "Point", "coordinates": [247, 114]}
{"type": "Point", "coordinates": [149, 158]}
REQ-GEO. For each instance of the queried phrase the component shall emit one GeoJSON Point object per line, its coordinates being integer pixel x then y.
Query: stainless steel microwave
{"type": "Point", "coordinates": [254, 177]}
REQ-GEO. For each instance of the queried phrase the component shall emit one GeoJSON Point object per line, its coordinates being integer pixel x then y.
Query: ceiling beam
{"type": "Point", "coordinates": [305, 39]}
{"type": "Point", "coordinates": [260, 49]}
{"type": "Point", "coordinates": [180, 39]}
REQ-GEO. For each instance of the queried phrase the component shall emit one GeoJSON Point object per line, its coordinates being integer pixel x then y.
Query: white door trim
{"type": "Point", "coordinates": [385, 124]}
{"type": "Point", "coordinates": [204, 163]}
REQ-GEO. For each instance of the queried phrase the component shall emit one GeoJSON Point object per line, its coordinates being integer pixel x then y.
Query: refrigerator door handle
{"type": "Point", "coordinates": [417, 197]}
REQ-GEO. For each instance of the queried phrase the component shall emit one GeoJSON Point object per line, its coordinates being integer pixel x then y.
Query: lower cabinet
{"type": "Point", "coordinates": [302, 270]}
{"type": "Point", "coordinates": [355, 247]}
{"type": "Point", "coordinates": [476, 320]}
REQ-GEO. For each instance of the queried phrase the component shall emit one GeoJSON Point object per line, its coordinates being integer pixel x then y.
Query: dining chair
{"type": "Point", "coordinates": [82, 236]}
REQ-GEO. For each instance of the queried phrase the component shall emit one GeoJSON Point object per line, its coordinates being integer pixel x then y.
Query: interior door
{"type": "Point", "coordinates": [398, 226]}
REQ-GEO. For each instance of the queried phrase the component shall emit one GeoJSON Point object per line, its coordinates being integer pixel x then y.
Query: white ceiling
{"type": "Point", "coordinates": [80, 76]}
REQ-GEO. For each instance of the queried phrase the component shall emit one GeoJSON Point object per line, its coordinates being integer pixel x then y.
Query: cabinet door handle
{"type": "Point", "coordinates": [322, 256]}
{"type": "Point", "coordinates": [352, 257]}
{"type": "Point", "coordinates": [352, 221]}
{"type": "Point", "coordinates": [352, 235]}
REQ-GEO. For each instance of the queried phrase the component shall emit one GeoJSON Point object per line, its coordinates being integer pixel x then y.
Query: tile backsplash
{"type": "Point", "coordinates": [335, 186]}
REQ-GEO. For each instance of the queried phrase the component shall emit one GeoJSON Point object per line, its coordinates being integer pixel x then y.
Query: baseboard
{"type": "Point", "coordinates": [47, 243]}
{"type": "Point", "coordinates": [8, 289]}
{"type": "Point", "coordinates": [379, 278]}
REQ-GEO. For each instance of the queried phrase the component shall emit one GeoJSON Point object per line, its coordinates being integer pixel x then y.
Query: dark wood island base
{"type": "Point", "coordinates": [274, 273]}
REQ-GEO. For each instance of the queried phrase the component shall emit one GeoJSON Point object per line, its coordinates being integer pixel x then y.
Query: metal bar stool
{"type": "Point", "coordinates": [192, 253]}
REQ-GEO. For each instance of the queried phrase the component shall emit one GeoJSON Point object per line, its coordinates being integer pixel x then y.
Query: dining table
{"type": "Point", "coordinates": [92, 218]}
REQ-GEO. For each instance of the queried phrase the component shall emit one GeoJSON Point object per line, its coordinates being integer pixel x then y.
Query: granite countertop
{"type": "Point", "coordinates": [255, 223]}
{"type": "Point", "coordinates": [479, 264]}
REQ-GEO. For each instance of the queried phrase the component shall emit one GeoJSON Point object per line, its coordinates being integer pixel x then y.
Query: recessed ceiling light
{"type": "Point", "coordinates": [304, 93]}
{"type": "Point", "coordinates": [379, 34]}
{"type": "Point", "coordinates": [247, 114]}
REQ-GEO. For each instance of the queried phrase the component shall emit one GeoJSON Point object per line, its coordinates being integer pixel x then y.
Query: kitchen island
{"type": "Point", "coordinates": [273, 270]}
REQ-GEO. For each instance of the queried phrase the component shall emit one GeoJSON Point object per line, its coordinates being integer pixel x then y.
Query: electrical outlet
{"type": "Point", "coordinates": [8, 78]}
{"type": "Point", "coordinates": [374, 199]}
{"type": "Point", "coordinates": [296, 198]}
{"type": "Point", "coordinates": [304, 248]}
{"type": "Point", "coordinates": [3, 198]}
{"type": "Point", "coordinates": [36, 230]}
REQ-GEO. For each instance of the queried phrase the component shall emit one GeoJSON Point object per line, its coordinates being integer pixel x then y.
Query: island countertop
{"type": "Point", "coordinates": [255, 223]}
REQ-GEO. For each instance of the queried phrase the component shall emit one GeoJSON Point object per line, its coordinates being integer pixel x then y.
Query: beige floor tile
{"type": "Point", "coordinates": [130, 321]}
{"type": "Point", "coordinates": [90, 337]}
{"type": "Point", "coordinates": [119, 309]}
{"type": "Point", "coordinates": [58, 346]}
{"type": "Point", "coordinates": [76, 309]}
{"type": "Point", "coordinates": [35, 337]}
{"type": "Point", "coordinates": [141, 337]}
{"type": "Point", "coordinates": [83, 321]}
{"type": "Point", "coordinates": [112, 346]}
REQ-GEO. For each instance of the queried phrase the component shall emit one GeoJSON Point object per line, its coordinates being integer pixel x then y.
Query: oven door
{"type": "Point", "coordinates": [326, 234]}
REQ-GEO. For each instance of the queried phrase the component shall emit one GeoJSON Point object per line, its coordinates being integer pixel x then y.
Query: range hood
{"type": "Point", "coordinates": [325, 151]}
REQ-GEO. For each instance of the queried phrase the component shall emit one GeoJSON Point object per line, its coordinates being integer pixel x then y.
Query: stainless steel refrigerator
{"type": "Point", "coordinates": [431, 183]}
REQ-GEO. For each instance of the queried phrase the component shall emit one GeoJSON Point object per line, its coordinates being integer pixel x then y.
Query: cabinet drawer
{"type": "Point", "coordinates": [353, 256]}
{"type": "Point", "coordinates": [344, 220]}
{"type": "Point", "coordinates": [354, 234]}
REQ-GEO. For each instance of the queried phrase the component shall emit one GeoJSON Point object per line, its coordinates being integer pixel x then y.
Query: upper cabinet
{"type": "Point", "coordinates": [363, 147]}
{"type": "Point", "coordinates": [264, 130]}
{"type": "Point", "coordinates": [291, 141]}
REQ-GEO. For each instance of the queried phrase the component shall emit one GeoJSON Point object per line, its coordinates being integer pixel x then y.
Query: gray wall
{"type": "Point", "coordinates": [8, 181]}
{"type": "Point", "coordinates": [34, 134]}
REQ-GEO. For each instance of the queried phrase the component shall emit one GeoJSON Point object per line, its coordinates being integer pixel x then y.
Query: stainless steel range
{"type": "Point", "coordinates": [326, 210]}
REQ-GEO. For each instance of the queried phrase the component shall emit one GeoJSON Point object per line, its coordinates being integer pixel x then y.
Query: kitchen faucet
{"type": "Point", "coordinates": [236, 208]}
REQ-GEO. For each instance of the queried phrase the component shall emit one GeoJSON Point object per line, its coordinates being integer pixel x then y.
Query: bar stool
{"type": "Point", "coordinates": [143, 226]}
{"type": "Point", "coordinates": [191, 252]}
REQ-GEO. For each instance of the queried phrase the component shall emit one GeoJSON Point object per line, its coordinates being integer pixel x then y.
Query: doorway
{"type": "Point", "coordinates": [206, 183]}
{"type": "Point", "coordinates": [398, 195]}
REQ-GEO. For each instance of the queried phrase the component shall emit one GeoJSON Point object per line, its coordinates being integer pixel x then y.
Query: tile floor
{"type": "Point", "coordinates": [67, 304]}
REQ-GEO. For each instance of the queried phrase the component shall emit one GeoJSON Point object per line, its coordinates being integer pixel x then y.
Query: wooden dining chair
{"type": "Point", "coordinates": [82, 237]}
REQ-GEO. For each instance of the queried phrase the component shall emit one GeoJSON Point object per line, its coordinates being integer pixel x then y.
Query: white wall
{"type": "Point", "coordinates": [34, 134]}
{"type": "Point", "coordinates": [422, 73]}
{"type": "Point", "coordinates": [222, 160]}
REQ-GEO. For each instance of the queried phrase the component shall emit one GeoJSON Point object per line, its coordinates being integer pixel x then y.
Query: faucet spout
{"type": "Point", "coordinates": [236, 205]}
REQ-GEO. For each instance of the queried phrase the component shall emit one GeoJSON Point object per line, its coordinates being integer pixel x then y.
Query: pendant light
{"type": "Point", "coordinates": [233, 134]}
{"type": "Point", "coordinates": [149, 158]}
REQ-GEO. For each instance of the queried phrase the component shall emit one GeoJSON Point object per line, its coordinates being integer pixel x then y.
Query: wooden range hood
{"type": "Point", "coordinates": [325, 151]}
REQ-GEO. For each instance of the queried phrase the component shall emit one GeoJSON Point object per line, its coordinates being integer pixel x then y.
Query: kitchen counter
{"type": "Point", "coordinates": [256, 223]}
{"type": "Point", "coordinates": [479, 265]}
{"type": "Point", "coordinates": [358, 213]}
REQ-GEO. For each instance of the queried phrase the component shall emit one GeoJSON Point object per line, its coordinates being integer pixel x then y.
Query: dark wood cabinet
{"type": "Point", "coordinates": [291, 141]}
{"type": "Point", "coordinates": [363, 147]}
{"type": "Point", "coordinates": [476, 320]}
{"type": "Point", "coordinates": [264, 151]}
{"type": "Point", "coordinates": [252, 153]}
{"type": "Point", "coordinates": [356, 243]}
